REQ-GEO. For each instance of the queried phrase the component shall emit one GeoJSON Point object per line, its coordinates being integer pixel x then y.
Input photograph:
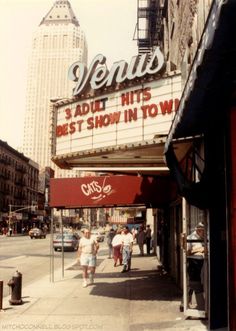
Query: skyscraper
{"type": "Point", "coordinates": [57, 43]}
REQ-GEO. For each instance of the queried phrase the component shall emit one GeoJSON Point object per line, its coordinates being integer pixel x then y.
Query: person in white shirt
{"type": "Point", "coordinates": [87, 253]}
{"type": "Point", "coordinates": [116, 244]}
{"type": "Point", "coordinates": [195, 259]}
{"type": "Point", "coordinates": [127, 247]}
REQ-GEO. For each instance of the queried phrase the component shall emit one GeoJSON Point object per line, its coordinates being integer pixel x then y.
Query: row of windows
{"type": "Point", "coordinates": [58, 16]}
{"type": "Point", "coordinates": [8, 161]}
{"type": "Point", "coordinates": [62, 3]}
{"type": "Point", "coordinates": [56, 39]}
{"type": "Point", "coordinates": [7, 175]}
{"type": "Point", "coordinates": [8, 189]}
{"type": "Point", "coordinates": [6, 202]}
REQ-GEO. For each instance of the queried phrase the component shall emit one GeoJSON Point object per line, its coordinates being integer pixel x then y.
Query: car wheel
{"type": "Point", "coordinates": [55, 249]}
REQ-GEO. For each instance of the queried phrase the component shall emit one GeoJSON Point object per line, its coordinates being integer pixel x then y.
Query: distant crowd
{"type": "Point", "coordinates": [120, 244]}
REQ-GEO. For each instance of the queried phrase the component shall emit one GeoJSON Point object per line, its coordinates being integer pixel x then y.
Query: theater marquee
{"type": "Point", "coordinates": [112, 119]}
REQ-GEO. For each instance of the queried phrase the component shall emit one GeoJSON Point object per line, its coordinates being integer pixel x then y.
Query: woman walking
{"type": "Point", "coordinates": [116, 244]}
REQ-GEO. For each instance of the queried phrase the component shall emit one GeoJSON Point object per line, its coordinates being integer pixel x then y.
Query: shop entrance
{"type": "Point", "coordinates": [195, 261]}
{"type": "Point", "coordinates": [110, 191]}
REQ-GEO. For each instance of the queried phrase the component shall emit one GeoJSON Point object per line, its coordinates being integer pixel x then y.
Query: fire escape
{"type": "Point", "coordinates": [149, 27]}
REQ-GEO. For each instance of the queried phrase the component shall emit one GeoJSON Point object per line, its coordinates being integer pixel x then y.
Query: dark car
{"type": "Point", "coordinates": [70, 242]}
{"type": "Point", "coordinates": [37, 233]}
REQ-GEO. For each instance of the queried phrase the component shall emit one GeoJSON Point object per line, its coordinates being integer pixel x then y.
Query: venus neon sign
{"type": "Point", "coordinates": [97, 76]}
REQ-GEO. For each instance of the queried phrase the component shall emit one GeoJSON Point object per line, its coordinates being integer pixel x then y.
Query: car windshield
{"type": "Point", "coordinates": [66, 236]}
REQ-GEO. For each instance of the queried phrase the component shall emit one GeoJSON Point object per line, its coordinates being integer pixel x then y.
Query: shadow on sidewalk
{"type": "Point", "coordinates": [140, 285]}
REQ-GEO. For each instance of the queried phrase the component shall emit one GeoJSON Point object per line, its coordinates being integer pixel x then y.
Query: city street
{"type": "Point", "coordinates": [142, 299]}
{"type": "Point", "coordinates": [30, 257]}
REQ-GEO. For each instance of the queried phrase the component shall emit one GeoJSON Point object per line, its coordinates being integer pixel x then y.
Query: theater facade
{"type": "Point", "coordinates": [140, 125]}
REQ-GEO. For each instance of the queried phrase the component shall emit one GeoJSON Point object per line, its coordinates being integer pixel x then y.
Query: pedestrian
{"type": "Point", "coordinates": [134, 234]}
{"type": "Point", "coordinates": [87, 253]}
{"type": "Point", "coordinates": [116, 244]}
{"type": "Point", "coordinates": [10, 231]}
{"type": "Point", "coordinates": [141, 236]}
{"type": "Point", "coordinates": [195, 261]}
{"type": "Point", "coordinates": [127, 247]}
{"type": "Point", "coordinates": [110, 236]}
{"type": "Point", "coordinates": [148, 239]}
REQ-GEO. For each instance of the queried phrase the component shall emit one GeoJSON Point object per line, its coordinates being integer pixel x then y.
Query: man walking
{"type": "Point", "coordinates": [110, 236]}
{"type": "Point", "coordinates": [127, 247]}
{"type": "Point", "coordinates": [148, 239]}
{"type": "Point", "coordinates": [141, 237]}
{"type": "Point", "coordinates": [87, 252]}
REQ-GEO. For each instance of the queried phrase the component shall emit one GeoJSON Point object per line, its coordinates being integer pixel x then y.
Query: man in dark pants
{"type": "Point", "coordinates": [148, 239]}
{"type": "Point", "coordinates": [195, 258]}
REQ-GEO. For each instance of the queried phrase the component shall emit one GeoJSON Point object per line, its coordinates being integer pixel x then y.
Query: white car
{"type": "Point", "coordinates": [70, 242]}
{"type": "Point", "coordinates": [99, 237]}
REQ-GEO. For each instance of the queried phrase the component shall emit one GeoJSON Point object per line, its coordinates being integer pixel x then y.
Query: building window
{"type": "Point", "coordinates": [54, 41]}
{"type": "Point", "coordinates": [64, 41]}
{"type": "Point", "coordinates": [45, 41]}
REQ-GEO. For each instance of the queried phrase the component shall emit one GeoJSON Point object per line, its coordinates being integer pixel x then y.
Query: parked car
{"type": "Point", "coordinates": [99, 237]}
{"type": "Point", "coordinates": [70, 242]}
{"type": "Point", "coordinates": [37, 233]}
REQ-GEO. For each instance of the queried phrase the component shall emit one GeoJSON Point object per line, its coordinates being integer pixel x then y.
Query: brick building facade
{"type": "Point", "coordinates": [18, 180]}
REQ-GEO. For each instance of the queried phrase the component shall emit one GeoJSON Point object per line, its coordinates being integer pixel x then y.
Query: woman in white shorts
{"type": "Point", "coordinates": [87, 252]}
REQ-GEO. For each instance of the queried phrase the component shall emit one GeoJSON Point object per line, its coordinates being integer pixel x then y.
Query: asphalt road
{"type": "Point", "coordinates": [30, 257]}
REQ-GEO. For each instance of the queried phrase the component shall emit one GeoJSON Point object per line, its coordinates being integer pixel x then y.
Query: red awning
{"type": "Point", "coordinates": [110, 191]}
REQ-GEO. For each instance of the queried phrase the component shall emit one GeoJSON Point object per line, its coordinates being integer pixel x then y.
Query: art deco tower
{"type": "Point", "coordinates": [57, 43]}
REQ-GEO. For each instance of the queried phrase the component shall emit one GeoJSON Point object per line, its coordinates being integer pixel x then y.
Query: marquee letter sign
{"type": "Point", "coordinates": [98, 76]}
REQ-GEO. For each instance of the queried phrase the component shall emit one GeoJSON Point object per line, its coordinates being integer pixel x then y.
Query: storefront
{"type": "Point", "coordinates": [116, 123]}
{"type": "Point", "coordinates": [200, 152]}
{"type": "Point", "coordinates": [119, 119]}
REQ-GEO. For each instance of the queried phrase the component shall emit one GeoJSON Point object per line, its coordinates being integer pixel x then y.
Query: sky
{"type": "Point", "coordinates": [109, 26]}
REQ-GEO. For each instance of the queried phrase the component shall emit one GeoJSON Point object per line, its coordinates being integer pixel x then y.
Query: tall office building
{"type": "Point", "coordinates": [57, 43]}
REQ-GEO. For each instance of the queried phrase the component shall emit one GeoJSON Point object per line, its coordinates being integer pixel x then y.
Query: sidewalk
{"type": "Point", "coordinates": [142, 299]}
